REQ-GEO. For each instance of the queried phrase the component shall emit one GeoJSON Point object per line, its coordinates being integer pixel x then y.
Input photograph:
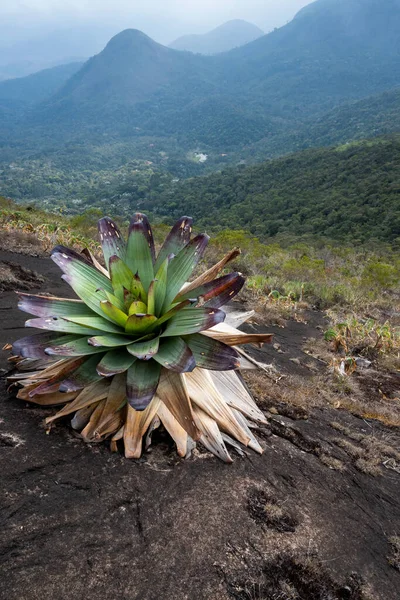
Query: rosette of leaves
{"type": "Point", "coordinates": [141, 347]}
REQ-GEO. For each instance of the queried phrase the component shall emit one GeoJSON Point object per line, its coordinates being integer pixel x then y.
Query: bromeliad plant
{"type": "Point", "coordinates": [141, 347]}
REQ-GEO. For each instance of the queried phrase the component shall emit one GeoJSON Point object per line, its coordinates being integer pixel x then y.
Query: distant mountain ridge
{"type": "Point", "coordinates": [37, 87]}
{"type": "Point", "coordinates": [232, 34]}
{"type": "Point", "coordinates": [20, 69]}
{"type": "Point", "coordinates": [309, 66]}
{"type": "Point", "coordinates": [334, 52]}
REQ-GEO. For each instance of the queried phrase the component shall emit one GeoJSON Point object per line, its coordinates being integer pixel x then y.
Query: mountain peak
{"type": "Point", "coordinates": [128, 40]}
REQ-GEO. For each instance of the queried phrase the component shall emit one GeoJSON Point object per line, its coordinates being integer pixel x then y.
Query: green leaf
{"type": "Point", "coordinates": [115, 301]}
{"type": "Point", "coordinates": [90, 294]}
{"type": "Point", "coordinates": [330, 335]}
{"type": "Point", "coordinates": [119, 293]}
{"type": "Point", "coordinates": [110, 341]}
{"type": "Point", "coordinates": [175, 354]}
{"type": "Point", "coordinates": [121, 275]}
{"type": "Point", "coordinates": [168, 315]}
{"type": "Point", "coordinates": [111, 240]}
{"type": "Point", "coordinates": [144, 350]}
{"type": "Point", "coordinates": [137, 308]}
{"type": "Point", "coordinates": [77, 347]}
{"type": "Point", "coordinates": [96, 323]}
{"type": "Point", "coordinates": [59, 324]}
{"type": "Point", "coordinates": [114, 362]}
{"type": "Point", "coordinates": [142, 382]}
{"type": "Point", "coordinates": [211, 354]}
{"type": "Point", "coordinates": [161, 286]}
{"type": "Point", "coordinates": [88, 283]}
{"type": "Point", "coordinates": [137, 289]}
{"type": "Point", "coordinates": [151, 300]}
{"type": "Point", "coordinates": [78, 269]}
{"type": "Point", "coordinates": [139, 323]}
{"type": "Point", "coordinates": [177, 238]}
{"type": "Point", "coordinates": [113, 313]}
{"type": "Point", "coordinates": [193, 320]}
{"type": "Point", "coordinates": [140, 249]}
{"type": "Point", "coordinates": [182, 266]}
{"type": "Point", "coordinates": [128, 298]}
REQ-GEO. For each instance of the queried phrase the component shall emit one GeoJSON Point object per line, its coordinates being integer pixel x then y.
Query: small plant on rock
{"type": "Point", "coordinates": [141, 346]}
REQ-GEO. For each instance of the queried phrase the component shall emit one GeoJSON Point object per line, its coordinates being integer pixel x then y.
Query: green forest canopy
{"type": "Point", "coordinates": [351, 191]}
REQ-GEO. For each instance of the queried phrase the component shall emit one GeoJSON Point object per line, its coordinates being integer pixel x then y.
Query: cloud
{"type": "Point", "coordinates": [191, 11]}
{"type": "Point", "coordinates": [163, 20]}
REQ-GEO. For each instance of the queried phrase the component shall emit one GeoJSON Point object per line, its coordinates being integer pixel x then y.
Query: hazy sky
{"type": "Point", "coordinates": [164, 20]}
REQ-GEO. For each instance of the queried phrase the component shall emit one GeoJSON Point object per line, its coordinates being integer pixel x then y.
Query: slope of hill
{"type": "Point", "coordinates": [350, 191]}
{"type": "Point", "coordinates": [33, 89]}
{"type": "Point", "coordinates": [332, 51]}
{"type": "Point", "coordinates": [221, 39]}
{"type": "Point", "coordinates": [24, 68]}
{"type": "Point", "coordinates": [373, 116]}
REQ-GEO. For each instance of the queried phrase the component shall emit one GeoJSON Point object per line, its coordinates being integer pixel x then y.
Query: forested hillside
{"type": "Point", "coordinates": [372, 116]}
{"type": "Point", "coordinates": [23, 92]}
{"type": "Point", "coordinates": [351, 191]}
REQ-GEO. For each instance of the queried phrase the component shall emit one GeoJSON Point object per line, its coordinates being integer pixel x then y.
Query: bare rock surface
{"type": "Point", "coordinates": [78, 522]}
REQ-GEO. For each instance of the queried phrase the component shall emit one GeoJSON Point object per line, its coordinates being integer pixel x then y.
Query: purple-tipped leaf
{"type": "Point", "coordinates": [45, 306]}
{"type": "Point", "coordinates": [211, 354]}
{"type": "Point", "coordinates": [88, 283]}
{"type": "Point", "coordinates": [181, 267]}
{"type": "Point", "coordinates": [218, 292]}
{"type": "Point", "coordinates": [144, 350]}
{"type": "Point", "coordinates": [83, 376]}
{"type": "Point", "coordinates": [79, 269]}
{"type": "Point", "coordinates": [174, 354]}
{"type": "Point", "coordinates": [111, 240]}
{"type": "Point", "coordinates": [33, 346]}
{"type": "Point", "coordinates": [193, 320]}
{"type": "Point", "coordinates": [140, 249]}
{"type": "Point", "coordinates": [177, 238]}
{"type": "Point", "coordinates": [115, 362]}
{"type": "Point", "coordinates": [142, 382]}
{"type": "Point", "coordinates": [71, 253]}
